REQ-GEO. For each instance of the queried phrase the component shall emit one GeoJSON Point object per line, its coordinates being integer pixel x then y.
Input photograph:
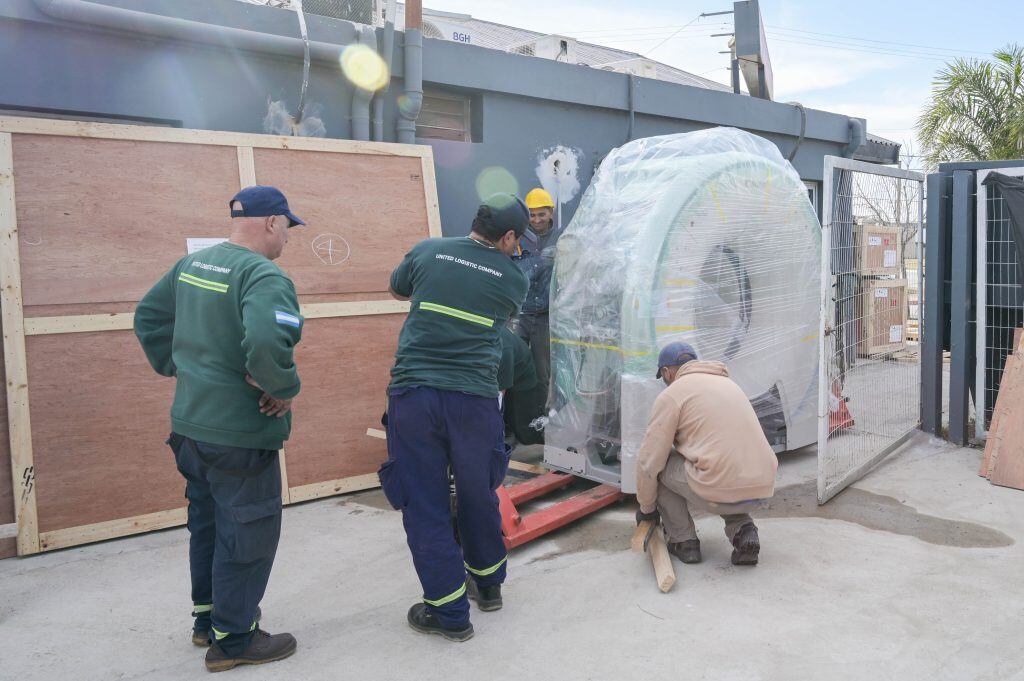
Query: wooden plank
{"type": "Point", "coordinates": [44, 326]}
{"type": "Point", "coordinates": [664, 573]}
{"type": "Point", "coordinates": [328, 488]}
{"type": "Point", "coordinates": [430, 190]}
{"type": "Point", "coordinates": [142, 133]}
{"type": "Point", "coordinates": [15, 359]}
{"type": "Point", "coordinates": [99, 424]}
{"type": "Point", "coordinates": [344, 363]}
{"type": "Point", "coordinates": [1009, 393]}
{"type": "Point", "coordinates": [528, 467]}
{"type": "Point", "coordinates": [246, 167]}
{"type": "Point", "coordinates": [377, 433]}
{"type": "Point", "coordinates": [285, 495]}
{"type": "Point", "coordinates": [78, 246]}
{"type": "Point", "coordinates": [84, 534]}
{"type": "Point", "coordinates": [9, 539]}
{"type": "Point", "coordinates": [636, 543]}
{"type": "Point", "coordinates": [1003, 463]}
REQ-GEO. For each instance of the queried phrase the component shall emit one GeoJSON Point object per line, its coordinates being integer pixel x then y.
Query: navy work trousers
{"type": "Point", "coordinates": [234, 519]}
{"type": "Point", "coordinates": [428, 431]}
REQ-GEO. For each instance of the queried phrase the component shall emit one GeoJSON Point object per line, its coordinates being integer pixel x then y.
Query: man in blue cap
{"type": "Point", "coordinates": [704, 446]}
{"type": "Point", "coordinates": [443, 413]}
{"type": "Point", "coordinates": [224, 321]}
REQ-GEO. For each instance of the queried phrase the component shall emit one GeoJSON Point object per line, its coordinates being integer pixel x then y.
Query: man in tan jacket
{"type": "Point", "coordinates": [703, 446]}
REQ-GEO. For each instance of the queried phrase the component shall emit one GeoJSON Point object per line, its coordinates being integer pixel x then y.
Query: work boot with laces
{"type": "Point", "coordinates": [487, 599]}
{"type": "Point", "coordinates": [687, 551]}
{"type": "Point", "coordinates": [746, 546]}
{"type": "Point", "coordinates": [262, 648]}
{"type": "Point", "coordinates": [423, 621]}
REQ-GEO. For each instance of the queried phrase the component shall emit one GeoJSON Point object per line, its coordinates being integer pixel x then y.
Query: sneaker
{"type": "Point", "coordinates": [687, 551]}
{"type": "Point", "coordinates": [201, 633]}
{"type": "Point", "coordinates": [746, 546]}
{"type": "Point", "coordinates": [262, 648]}
{"type": "Point", "coordinates": [487, 599]}
{"type": "Point", "coordinates": [423, 621]}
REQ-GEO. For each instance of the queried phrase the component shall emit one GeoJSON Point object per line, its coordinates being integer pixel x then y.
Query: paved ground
{"type": "Point", "coordinates": [913, 574]}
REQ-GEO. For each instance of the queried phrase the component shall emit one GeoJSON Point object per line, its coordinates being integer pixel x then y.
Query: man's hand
{"type": "Point", "coordinates": [653, 516]}
{"type": "Point", "coordinates": [270, 405]}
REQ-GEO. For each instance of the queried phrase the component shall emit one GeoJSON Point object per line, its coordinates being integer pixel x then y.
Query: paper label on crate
{"type": "Point", "coordinates": [890, 259]}
{"type": "Point", "coordinates": [896, 333]}
{"type": "Point", "coordinates": [874, 241]}
{"type": "Point", "coordinates": [881, 293]}
{"type": "Point", "coordinates": [194, 244]}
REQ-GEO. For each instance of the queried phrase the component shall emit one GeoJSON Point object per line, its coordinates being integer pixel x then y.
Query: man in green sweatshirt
{"type": "Point", "coordinates": [224, 322]}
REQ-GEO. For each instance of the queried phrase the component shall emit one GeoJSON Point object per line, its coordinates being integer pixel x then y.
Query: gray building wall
{"type": "Point", "coordinates": [522, 106]}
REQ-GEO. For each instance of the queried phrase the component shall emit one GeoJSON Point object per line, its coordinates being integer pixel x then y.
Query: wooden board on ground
{"type": "Point", "coordinates": [1003, 461]}
{"type": "Point", "coordinates": [657, 550]}
{"type": "Point", "coordinates": [98, 213]}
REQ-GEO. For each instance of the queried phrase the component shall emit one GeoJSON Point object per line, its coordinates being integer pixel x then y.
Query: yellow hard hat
{"type": "Point", "coordinates": [538, 198]}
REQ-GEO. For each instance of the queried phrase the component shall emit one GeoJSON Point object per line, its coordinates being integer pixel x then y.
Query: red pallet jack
{"type": "Point", "coordinates": [519, 529]}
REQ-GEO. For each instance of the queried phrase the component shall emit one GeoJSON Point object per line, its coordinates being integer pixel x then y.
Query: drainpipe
{"type": "Point", "coordinates": [361, 97]}
{"type": "Point", "coordinates": [388, 50]}
{"type": "Point", "coordinates": [857, 137]}
{"type": "Point", "coordinates": [160, 26]}
{"type": "Point", "coordinates": [632, 107]}
{"type": "Point", "coordinates": [413, 53]}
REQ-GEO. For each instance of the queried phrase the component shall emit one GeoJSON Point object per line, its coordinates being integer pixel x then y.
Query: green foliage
{"type": "Point", "coordinates": [976, 111]}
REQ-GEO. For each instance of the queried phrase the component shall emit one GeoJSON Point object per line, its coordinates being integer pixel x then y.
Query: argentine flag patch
{"type": "Point", "coordinates": [287, 319]}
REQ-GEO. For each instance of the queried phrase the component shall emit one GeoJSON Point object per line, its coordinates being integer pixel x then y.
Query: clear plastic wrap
{"type": "Point", "coordinates": [705, 237]}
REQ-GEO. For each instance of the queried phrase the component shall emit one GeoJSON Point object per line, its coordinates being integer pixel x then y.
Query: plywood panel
{"type": "Point", "coordinates": [99, 218]}
{"type": "Point", "coordinates": [375, 205]}
{"type": "Point", "coordinates": [100, 417]}
{"type": "Point", "coordinates": [345, 367]}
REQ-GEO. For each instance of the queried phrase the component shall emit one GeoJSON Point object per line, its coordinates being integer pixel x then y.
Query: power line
{"type": "Point", "coordinates": [692, 21]}
{"type": "Point", "coordinates": [870, 40]}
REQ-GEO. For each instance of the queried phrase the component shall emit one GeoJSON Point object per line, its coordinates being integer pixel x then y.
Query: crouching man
{"type": "Point", "coordinates": [704, 446]}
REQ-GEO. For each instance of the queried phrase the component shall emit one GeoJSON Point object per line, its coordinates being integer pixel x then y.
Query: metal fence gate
{"type": "Point", "coordinates": [869, 373]}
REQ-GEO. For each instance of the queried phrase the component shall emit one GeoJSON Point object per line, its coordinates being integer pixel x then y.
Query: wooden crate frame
{"type": "Point", "coordinates": [867, 320]}
{"type": "Point", "coordinates": [861, 249]}
{"type": "Point", "coordinates": [16, 326]}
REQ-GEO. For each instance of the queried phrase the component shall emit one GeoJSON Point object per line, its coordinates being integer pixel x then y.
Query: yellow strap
{"type": "Point", "coordinates": [487, 571]}
{"type": "Point", "coordinates": [598, 346]}
{"type": "Point", "coordinates": [459, 314]}
{"type": "Point", "coordinates": [201, 608]}
{"type": "Point", "coordinates": [455, 595]}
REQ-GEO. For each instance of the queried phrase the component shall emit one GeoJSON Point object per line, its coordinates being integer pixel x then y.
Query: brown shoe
{"type": "Point", "coordinates": [746, 546]}
{"type": "Point", "coordinates": [687, 551]}
{"type": "Point", "coordinates": [262, 648]}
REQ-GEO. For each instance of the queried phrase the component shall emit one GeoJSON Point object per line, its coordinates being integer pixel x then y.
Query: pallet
{"type": "Point", "coordinates": [90, 215]}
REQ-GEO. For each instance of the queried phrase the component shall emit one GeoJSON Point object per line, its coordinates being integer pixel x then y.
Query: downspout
{"type": "Point", "coordinates": [388, 50]}
{"type": "Point", "coordinates": [632, 107]}
{"type": "Point", "coordinates": [857, 137]}
{"type": "Point", "coordinates": [160, 26]}
{"type": "Point", "coordinates": [409, 111]}
{"type": "Point", "coordinates": [360, 96]}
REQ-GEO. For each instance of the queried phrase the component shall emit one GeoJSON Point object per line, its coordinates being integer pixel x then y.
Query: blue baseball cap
{"type": "Point", "coordinates": [260, 201]}
{"type": "Point", "coordinates": [675, 355]}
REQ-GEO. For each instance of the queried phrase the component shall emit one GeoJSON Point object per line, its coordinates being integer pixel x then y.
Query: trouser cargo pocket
{"type": "Point", "coordinates": [499, 464]}
{"type": "Point", "coordinates": [257, 529]}
{"type": "Point", "coordinates": [391, 484]}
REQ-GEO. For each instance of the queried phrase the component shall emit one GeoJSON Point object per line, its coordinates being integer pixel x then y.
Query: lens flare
{"type": "Point", "coordinates": [495, 180]}
{"type": "Point", "coordinates": [363, 67]}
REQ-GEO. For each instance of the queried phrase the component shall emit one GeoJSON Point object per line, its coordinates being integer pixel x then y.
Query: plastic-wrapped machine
{"type": "Point", "coordinates": [705, 237]}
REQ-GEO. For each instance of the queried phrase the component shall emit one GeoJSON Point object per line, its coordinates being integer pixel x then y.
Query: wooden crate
{"type": "Point", "coordinates": [90, 215]}
{"type": "Point", "coordinates": [883, 322]}
{"type": "Point", "coordinates": [877, 249]}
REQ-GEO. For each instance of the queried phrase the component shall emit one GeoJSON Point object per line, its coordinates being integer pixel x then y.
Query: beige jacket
{"type": "Point", "coordinates": [705, 418]}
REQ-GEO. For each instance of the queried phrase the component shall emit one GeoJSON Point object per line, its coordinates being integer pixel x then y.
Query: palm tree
{"type": "Point", "coordinates": [976, 112]}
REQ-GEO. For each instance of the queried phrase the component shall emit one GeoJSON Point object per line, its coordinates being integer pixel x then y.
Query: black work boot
{"type": "Point", "coordinates": [687, 551]}
{"type": "Point", "coordinates": [423, 621]}
{"type": "Point", "coordinates": [487, 599]}
{"type": "Point", "coordinates": [746, 546]}
{"type": "Point", "coordinates": [262, 648]}
{"type": "Point", "coordinates": [201, 634]}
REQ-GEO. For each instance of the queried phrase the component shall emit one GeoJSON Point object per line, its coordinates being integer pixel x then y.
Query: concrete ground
{"type": "Point", "coordinates": [915, 573]}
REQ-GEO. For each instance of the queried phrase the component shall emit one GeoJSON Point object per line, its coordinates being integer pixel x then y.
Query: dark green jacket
{"type": "Point", "coordinates": [217, 315]}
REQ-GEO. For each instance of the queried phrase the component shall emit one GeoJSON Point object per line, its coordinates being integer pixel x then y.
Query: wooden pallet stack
{"type": "Point", "coordinates": [1003, 461]}
{"type": "Point", "coordinates": [90, 216]}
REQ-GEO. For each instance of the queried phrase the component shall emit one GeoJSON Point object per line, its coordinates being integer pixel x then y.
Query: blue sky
{"type": "Point", "coordinates": [869, 58]}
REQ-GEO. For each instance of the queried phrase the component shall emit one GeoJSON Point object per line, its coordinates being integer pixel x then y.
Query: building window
{"type": "Point", "coordinates": [812, 195]}
{"type": "Point", "coordinates": [445, 116]}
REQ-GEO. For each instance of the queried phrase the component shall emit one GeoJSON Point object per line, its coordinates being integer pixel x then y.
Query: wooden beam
{"type": "Point", "coordinates": [527, 467]}
{"type": "Point", "coordinates": [430, 193]}
{"type": "Point", "coordinates": [85, 534]}
{"type": "Point", "coordinates": [122, 321]}
{"type": "Point", "coordinates": [246, 167]}
{"type": "Point", "coordinates": [377, 433]}
{"type": "Point", "coordinates": [664, 573]}
{"type": "Point", "coordinates": [332, 487]}
{"type": "Point", "coordinates": [144, 133]}
{"type": "Point", "coordinates": [15, 359]}
{"type": "Point", "coordinates": [285, 491]}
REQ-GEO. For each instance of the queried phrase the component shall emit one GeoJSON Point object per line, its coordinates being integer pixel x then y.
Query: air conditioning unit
{"type": "Point", "coordinates": [637, 66]}
{"type": "Point", "coordinates": [556, 47]}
